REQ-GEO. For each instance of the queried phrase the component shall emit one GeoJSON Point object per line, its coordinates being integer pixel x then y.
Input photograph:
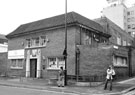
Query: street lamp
{"type": "Point", "coordinates": [65, 50]}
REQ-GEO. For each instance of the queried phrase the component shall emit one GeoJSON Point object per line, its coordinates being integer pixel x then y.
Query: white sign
{"type": "Point", "coordinates": [16, 54]}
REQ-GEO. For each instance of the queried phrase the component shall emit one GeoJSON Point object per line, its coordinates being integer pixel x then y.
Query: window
{"type": "Point", "coordinates": [56, 62]}
{"type": "Point", "coordinates": [28, 42]}
{"type": "Point", "coordinates": [17, 63]}
{"type": "Point", "coordinates": [129, 44]}
{"type": "Point", "coordinates": [129, 26]}
{"type": "Point", "coordinates": [52, 63]}
{"type": "Point", "coordinates": [132, 19]}
{"type": "Point", "coordinates": [128, 19]}
{"type": "Point", "coordinates": [133, 34]}
{"type": "Point", "coordinates": [36, 42]}
{"type": "Point", "coordinates": [129, 33]}
{"type": "Point", "coordinates": [87, 38]}
{"type": "Point", "coordinates": [132, 12]}
{"type": "Point", "coordinates": [96, 37]}
{"type": "Point", "coordinates": [124, 43]}
{"type": "Point", "coordinates": [43, 40]}
{"type": "Point", "coordinates": [118, 40]}
{"type": "Point", "coordinates": [133, 26]}
{"type": "Point", "coordinates": [119, 61]}
{"type": "Point", "coordinates": [128, 13]}
{"type": "Point", "coordinates": [103, 40]}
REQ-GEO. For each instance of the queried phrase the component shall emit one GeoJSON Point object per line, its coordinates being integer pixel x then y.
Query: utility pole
{"type": "Point", "coordinates": [65, 50]}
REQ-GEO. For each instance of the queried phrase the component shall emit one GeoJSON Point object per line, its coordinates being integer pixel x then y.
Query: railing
{"type": "Point", "coordinates": [93, 78]}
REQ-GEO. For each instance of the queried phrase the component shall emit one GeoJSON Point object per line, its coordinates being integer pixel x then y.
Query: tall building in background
{"type": "Point", "coordinates": [122, 16]}
{"type": "Point", "coordinates": [131, 20]}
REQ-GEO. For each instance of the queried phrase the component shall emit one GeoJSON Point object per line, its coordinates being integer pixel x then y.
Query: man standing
{"type": "Point", "coordinates": [61, 77]}
{"type": "Point", "coordinates": [109, 77]}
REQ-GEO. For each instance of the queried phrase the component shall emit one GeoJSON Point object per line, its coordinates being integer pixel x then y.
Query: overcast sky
{"type": "Point", "coordinates": [16, 12]}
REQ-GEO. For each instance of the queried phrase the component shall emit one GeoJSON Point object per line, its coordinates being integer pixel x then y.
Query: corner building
{"type": "Point", "coordinates": [36, 49]}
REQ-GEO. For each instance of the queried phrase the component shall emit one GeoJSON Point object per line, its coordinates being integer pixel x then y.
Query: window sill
{"type": "Point", "coordinates": [35, 47]}
{"type": "Point", "coordinates": [53, 69]}
{"type": "Point", "coordinates": [124, 66]}
{"type": "Point", "coordinates": [16, 67]}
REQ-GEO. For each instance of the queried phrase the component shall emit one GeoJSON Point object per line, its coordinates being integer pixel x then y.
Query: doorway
{"type": "Point", "coordinates": [33, 68]}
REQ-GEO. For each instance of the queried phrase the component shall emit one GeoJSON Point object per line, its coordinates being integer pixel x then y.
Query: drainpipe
{"type": "Point", "coordinates": [129, 61]}
{"type": "Point", "coordinates": [77, 63]}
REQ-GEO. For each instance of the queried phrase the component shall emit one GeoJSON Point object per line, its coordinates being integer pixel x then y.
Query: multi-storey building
{"type": "Point", "coordinates": [118, 35]}
{"type": "Point", "coordinates": [131, 20]}
{"type": "Point", "coordinates": [122, 16]}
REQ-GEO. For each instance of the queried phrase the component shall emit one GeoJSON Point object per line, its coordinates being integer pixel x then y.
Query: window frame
{"type": "Point", "coordinates": [17, 64]}
{"type": "Point", "coordinates": [123, 63]}
{"type": "Point", "coordinates": [57, 63]}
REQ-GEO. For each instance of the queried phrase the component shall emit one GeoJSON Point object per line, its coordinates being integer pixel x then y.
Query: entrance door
{"type": "Point", "coordinates": [33, 68]}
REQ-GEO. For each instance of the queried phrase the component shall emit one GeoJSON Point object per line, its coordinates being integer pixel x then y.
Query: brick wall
{"type": "Point", "coordinates": [56, 46]}
{"type": "Point", "coordinates": [3, 63]}
{"type": "Point", "coordinates": [94, 61]}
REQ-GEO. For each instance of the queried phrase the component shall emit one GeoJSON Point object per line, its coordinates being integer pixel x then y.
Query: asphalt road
{"type": "Point", "coordinates": [7, 90]}
{"type": "Point", "coordinates": [130, 93]}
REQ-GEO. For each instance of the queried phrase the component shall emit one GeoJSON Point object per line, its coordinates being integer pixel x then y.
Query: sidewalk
{"type": "Point", "coordinates": [42, 84]}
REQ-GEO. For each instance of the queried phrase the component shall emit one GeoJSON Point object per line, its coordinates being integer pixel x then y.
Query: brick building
{"type": "Point", "coordinates": [36, 48]}
{"type": "Point", "coordinates": [123, 49]}
{"type": "Point", "coordinates": [3, 54]}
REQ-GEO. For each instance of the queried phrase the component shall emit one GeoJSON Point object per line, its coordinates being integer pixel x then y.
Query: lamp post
{"type": "Point", "coordinates": [65, 50]}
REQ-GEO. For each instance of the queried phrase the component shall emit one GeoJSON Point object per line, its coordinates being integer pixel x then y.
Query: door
{"type": "Point", "coordinates": [33, 68]}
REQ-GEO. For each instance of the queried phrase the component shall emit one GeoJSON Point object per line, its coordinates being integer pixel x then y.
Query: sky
{"type": "Point", "coordinates": [13, 13]}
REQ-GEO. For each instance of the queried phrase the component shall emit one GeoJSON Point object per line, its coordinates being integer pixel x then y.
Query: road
{"type": "Point", "coordinates": [7, 90]}
{"type": "Point", "coordinates": [130, 93]}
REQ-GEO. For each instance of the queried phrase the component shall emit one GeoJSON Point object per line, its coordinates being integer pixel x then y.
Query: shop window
{"type": "Point", "coordinates": [56, 62]}
{"type": "Point", "coordinates": [119, 61]}
{"type": "Point", "coordinates": [61, 62]}
{"type": "Point", "coordinates": [17, 63]}
{"type": "Point", "coordinates": [52, 63]}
